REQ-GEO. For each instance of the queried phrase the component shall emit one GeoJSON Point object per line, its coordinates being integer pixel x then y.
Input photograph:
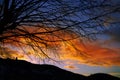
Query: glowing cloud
{"type": "Point", "coordinates": [74, 49]}
{"type": "Point", "coordinates": [9, 53]}
{"type": "Point", "coordinates": [95, 55]}
{"type": "Point", "coordinates": [70, 67]}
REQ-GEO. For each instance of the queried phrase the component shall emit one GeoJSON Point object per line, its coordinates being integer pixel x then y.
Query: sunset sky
{"type": "Point", "coordinates": [99, 56]}
{"type": "Point", "coordinates": [79, 54]}
{"type": "Point", "coordinates": [104, 55]}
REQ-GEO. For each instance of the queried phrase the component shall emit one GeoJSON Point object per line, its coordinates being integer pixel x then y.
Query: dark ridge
{"type": "Point", "coordinates": [102, 76]}
{"type": "Point", "coordinates": [22, 70]}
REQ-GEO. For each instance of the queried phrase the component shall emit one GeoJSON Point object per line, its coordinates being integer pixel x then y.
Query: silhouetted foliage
{"type": "Point", "coordinates": [46, 18]}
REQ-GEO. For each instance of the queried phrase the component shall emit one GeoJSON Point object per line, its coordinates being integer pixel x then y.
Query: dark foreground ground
{"type": "Point", "coordinates": [22, 70]}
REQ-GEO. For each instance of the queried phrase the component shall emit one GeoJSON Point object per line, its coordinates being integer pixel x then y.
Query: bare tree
{"type": "Point", "coordinates": [40, 24]}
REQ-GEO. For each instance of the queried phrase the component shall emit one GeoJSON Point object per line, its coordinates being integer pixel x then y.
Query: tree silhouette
{"type": "Point", "coordinates": [42, 24]}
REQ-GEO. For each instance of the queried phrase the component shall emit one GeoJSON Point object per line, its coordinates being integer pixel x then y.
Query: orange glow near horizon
{"type": "Point", "coordinates": [83, 52]}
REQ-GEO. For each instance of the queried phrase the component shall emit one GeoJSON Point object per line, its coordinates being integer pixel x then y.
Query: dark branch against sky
{"type": "Point", "coordinates": [44, 23]}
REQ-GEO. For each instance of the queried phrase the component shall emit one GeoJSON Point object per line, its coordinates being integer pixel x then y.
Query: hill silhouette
{"type": "Point", "coordinates": [102, 76]}
{"type": "Point", "coordinates": [22, 70]}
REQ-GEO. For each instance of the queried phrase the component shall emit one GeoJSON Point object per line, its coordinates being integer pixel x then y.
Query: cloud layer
{"type": "Point", "coordinates": [85, 52]}
{"type": "Point", "coordinates": [92, 54]}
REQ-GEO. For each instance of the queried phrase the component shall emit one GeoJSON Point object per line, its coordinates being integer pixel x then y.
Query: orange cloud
{"type": "Point", "coordinates": [70, 67]}
{"type": "Point", "coordinates": [9, 53]}
{"type": "Point", "coordinates": [82, 51]}
{"type": "Point", "coordinates": [6, 52]}
{"type": "Point", "coordinates": [93, 54]}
